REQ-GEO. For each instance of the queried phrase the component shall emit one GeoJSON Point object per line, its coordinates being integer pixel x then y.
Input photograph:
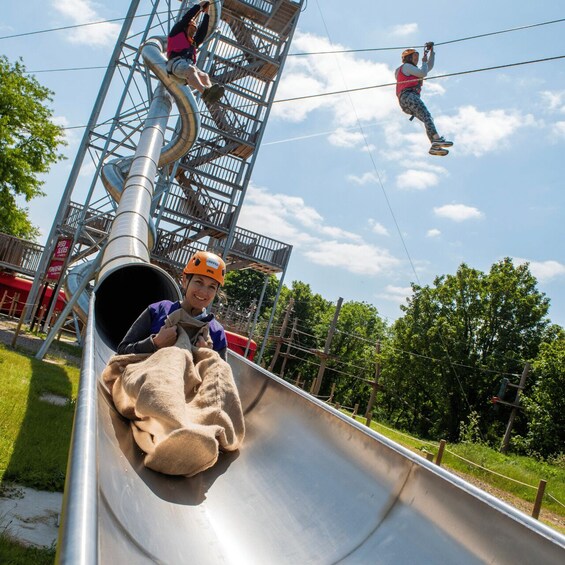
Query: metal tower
{"type": "Point", "coordinates": [198, 198]}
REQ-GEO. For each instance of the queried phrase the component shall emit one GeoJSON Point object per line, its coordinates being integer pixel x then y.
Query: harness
{"type": "Point", "coordinates": [407, 83]}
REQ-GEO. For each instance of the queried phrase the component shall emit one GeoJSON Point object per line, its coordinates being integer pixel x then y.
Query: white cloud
{"type": "Point", "coordinates": [458, 212]}
{"type": "Point", "coordinates": [336, 232]}
{"type": "Point", "coordinates": [424, 165]}
{"type": "Point", "coordinates": [358, 259]}
{"type": "Point", "coordinates": [82, 12]}
{"type": "Point", "coordinates": [290, 219]}
{"type": "Point", "coordinates": [87, 170]}
{"type": "Point", "coordinates": [377, 227]}
{"type": "Point", "coordinates": [554, 100]}
{"type": "Point", "coordinates": [397, 294]}
{"type": "Point", "coordinates": [418, 180]}
{"type": "Point", "coordinates": [365, 178]}
{"type": "Point", "coordinates": [343, 138]}
{"type": "Point", "coordinates": [544, 271]}
{"type": "Point", "coordinates": [309, 75]}
{"type": "Point", "coordinates": [433, 232]}
{"type": "Point", "coordinates": [477, 132]}
{"type": "Point", "coordinates": [558, 129]}
{"type": "Point", "coordinates": [72, 136]}
{"type": "Point", "coordinates": [404, 29]}
{"type": "Point", "coordinates": [278, 216]}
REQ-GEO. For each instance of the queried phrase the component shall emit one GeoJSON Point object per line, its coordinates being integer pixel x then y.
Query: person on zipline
{"type": "Point", "coordinates": [182, 43]}
{"type": "Point", "coordinates": [409, 78]}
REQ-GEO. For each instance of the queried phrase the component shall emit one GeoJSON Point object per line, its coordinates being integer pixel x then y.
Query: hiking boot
{"type": "Point", "coordinates": [441, 142]}
{"type": "Point", "coordinates": [213, 94]}
{"type": "Point", "coordinates": [437, 150]}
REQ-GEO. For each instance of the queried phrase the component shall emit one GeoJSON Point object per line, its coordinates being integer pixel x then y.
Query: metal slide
{"type": "Point", "coordinates": [309, 484]}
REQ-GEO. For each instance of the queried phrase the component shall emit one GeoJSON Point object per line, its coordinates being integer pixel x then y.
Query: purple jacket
{"type": "Point", "coordinates": [152, 319]}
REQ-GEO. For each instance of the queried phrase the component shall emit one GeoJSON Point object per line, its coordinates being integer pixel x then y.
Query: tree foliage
{"type": "Point", "coordinates": [544, 405]}
{"type": "Point", "coordinates": [441, 362]}
{"type": "Point", "coordinates": [358, 329]}
{"type": "Point", "coordinates": [244, 287]}
{"type": "Point", "coordinates": [28, 145]}
{"type": "Point", "coordinates": [310, 310]}
{"type": "Point", "coordinates": [454, 341]}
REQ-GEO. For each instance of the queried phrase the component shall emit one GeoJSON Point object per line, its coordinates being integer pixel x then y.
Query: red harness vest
{"type": "Point", "coordinates": [407, 81]}
{"type": "Point", "coordinates": [179, 43]}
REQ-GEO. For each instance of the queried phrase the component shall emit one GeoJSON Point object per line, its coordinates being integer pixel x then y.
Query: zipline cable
{"type": "Point", "coordinates": [369, 49]}
{"type": "Point", "coordinates": [306, 97]}
{"type": "Point", "coordinates": [448, 42]}
{"type": "Point", "coordinates": [391, 211]}
{"type": "Point", "coordinates": [471, 71]}
{"type": "Point", "coordinates": [75, 26]}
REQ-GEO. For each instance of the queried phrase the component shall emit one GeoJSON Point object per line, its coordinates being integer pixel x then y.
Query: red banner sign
{"type": "Point", "coordinates": [62, 250]}
{"type": "Point", "coordinates": [54, 270]}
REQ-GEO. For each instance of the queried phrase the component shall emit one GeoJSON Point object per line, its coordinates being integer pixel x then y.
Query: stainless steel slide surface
{"type": "Point", "coordinates": [308, 486]}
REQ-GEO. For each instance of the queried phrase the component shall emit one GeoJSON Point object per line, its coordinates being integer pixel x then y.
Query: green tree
{"type": "Point", "coordinates": [544, 405]}
{"type": "Point", "coordinates": [311, 312]}
{"type": "Point", "coordinates": [354, 353]}
{"type": "Point", "coordinates": [28, 145]}
{"type": "Point", "coordinates": [244, 286]}
{"type": "Point", "coordinates": [454, 341]}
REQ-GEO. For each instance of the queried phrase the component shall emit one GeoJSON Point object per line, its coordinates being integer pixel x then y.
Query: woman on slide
{"type": "Point", "coordinates": [201, 280]}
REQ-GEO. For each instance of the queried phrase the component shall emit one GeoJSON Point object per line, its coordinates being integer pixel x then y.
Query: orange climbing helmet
{"type": "Point", "coordinates": [408, 53]}
{"type": "Point", "coordinates": [207, 264]}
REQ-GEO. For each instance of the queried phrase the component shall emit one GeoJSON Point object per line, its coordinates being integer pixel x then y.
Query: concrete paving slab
{"type": "Point", "coordinates": [31, 516]}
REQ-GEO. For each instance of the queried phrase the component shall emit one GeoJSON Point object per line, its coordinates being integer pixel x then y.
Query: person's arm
{"type": "Point", "coordinates": [413, 70]}
{"type": "Point", "coordinates": [138, 338]}
{"type": "Point", "coordinates": [431, 59]}
{"type": "Point", "coordinates": [180, 26]}
{"type": "Point", "coordinates": [202, 31]}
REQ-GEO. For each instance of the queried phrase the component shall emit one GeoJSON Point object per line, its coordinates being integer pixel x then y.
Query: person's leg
{"type": "Point", "coordinates": [412, 104]}
{"type": "Point", "coordinates": [189, 72]}
{"type": "Point", "coordinates": [203, 77]}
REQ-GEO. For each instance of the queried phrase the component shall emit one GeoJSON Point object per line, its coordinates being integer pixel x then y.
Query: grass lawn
{"type": "Point", "coordinates": [521, 475]}
{"type": "Point", "coordinates": [35, 434]}
{"type": "Point", "coordinates": [12, 553]}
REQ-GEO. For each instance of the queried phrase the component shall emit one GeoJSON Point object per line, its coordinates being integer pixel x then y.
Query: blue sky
{"type": "Point", "coordinates": [347, 179]}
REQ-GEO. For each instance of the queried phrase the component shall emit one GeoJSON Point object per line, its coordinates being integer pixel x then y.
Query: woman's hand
{"type": "Point", "coordinates": [201, 342]}
{"type": "Point", "coordinates": [166, 337]}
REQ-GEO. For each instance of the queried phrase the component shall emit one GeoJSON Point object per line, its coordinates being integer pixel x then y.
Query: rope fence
{"type": "Point", "coordinates": [539, 489]}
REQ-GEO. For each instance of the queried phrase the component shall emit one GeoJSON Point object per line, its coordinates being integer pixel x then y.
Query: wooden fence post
{"type": "Point", "coordinates": [331, 394]}
{"type": "Point", "coordinates": [3, 299]}
{"type": "Point", "coordinates": [325, 354]}
{"type": "Point", "coordinates": [539, 499]}
{"type": "Point", "coordinates": [15, 300]}
{"type": "Point", "coordinates": [375, 386]}
{"type": "Point", "coordinates": [440, 450]}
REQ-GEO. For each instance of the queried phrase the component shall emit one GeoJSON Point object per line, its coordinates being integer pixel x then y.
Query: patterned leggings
{"type": "Point", "coordinates": [412, 104]}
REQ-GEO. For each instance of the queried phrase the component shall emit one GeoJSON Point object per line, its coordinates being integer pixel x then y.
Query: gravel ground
{"type": "Point", "coordinates": [32, 343]}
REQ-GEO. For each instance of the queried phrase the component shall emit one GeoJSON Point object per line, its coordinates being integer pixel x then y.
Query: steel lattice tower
{"type": "Point", "coordinates": [198, 198]}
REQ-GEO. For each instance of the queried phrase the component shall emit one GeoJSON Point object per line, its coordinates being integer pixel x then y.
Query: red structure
{"type": "Point", "coordinates": [11, 286]}
{"type": "Point", "coordinates": [238, 343]}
